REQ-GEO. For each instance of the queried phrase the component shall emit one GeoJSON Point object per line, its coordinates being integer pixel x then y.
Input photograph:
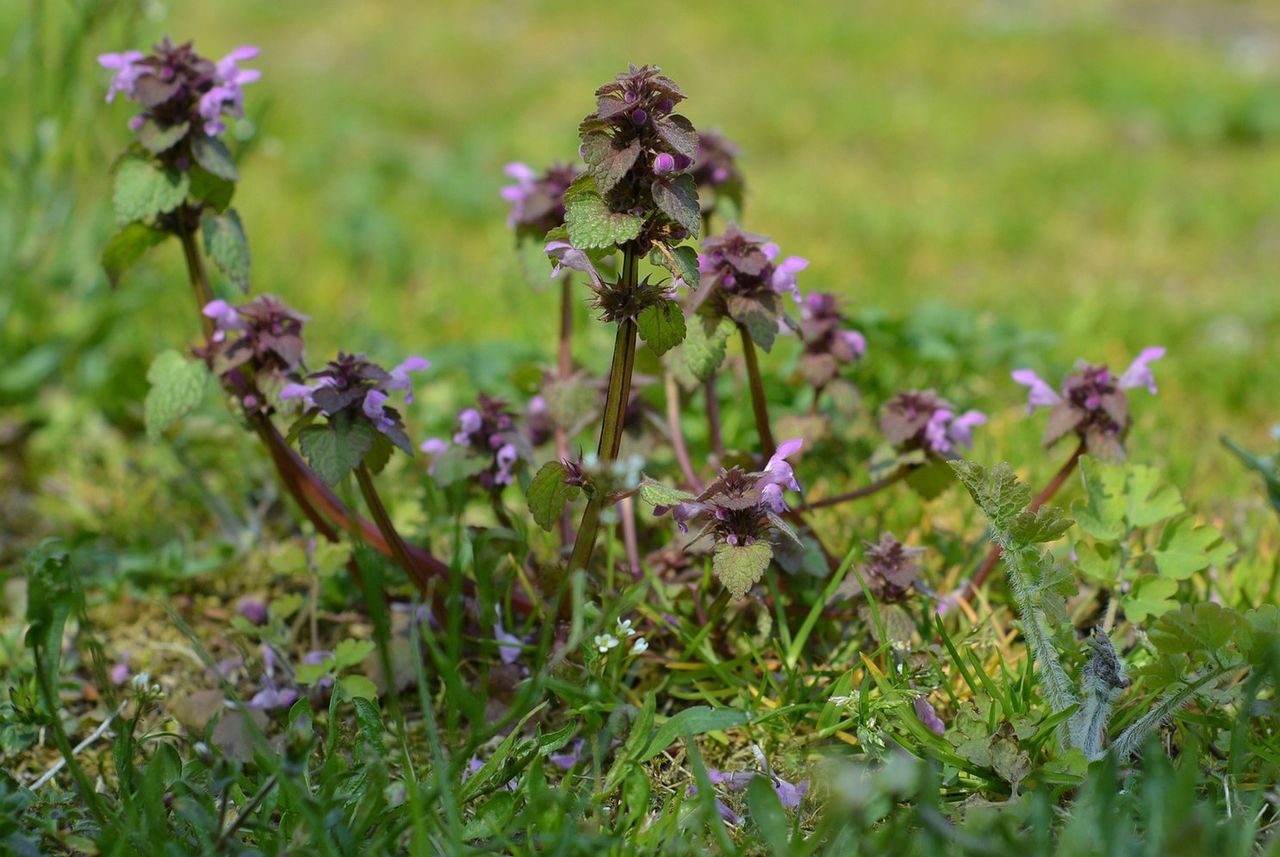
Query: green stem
{"type": "Point", "coordinates": [758, 404]}
{"type": "Point", "coordinates": [615, 412]}
{"type": "Point", "coordinates": [196, 273]}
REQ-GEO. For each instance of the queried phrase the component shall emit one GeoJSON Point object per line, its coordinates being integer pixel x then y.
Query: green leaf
{"type": "Point", "coordinates": [1101, 513]}
{"type": "Point", "coordinates": [334, 449]}
{"type": "Point", "coordinates": [739, 566]}
{"type": "Point", "coordinates": [1204, 628]}
{"type": "Point", "coordinates": [1102, 562]}
{"type": "Point", "coordinates": [661, 326]}
{"type": "Point", "coordinates": [654, 493]}
{"type": "Point", "coordinates": [607, 163]}
{"type": "Point", "coordinates": [704, 346]}
{"type": "Point", "coordinates": [225, 242]}
{"type": "Point", "coordinates": [214, 192]}
{"type": "Point", "coordinates": [358, 686]}
{"type": "Point", "coordinates": [689, 723]}
{"type": "Point", "coordinates": [309, 674]}
{"type": "Point", "coordinates": [350, 653]}
{"type": "Point", "coordinates": [143, 190]}
{"type": "Point", "coordinates": [678, 199]}
{"type": "Point", "coordinates": [769, 817]}
{"type": "Point", "coordinates": [1186, 548]}
{"type": "Point", "coordinates": [212, 154]}
{"type": "Point", "coordinates": [759, 317]}
{"type": "Point", "coordinates": [1045, 524]}
{"type": "Point", "coordinates": [591, 223]}
{"type": "Point", "coordinates": [1266, 466]}
{"type": "Point", "coordinates": [126, 247]}
{"type": "Point", "coordinates": [177, 387]}
{"type": "Point", "coordinates": [1150, 501]}
{"type": "Point", "coordinates": [157, 139]}
{"type": "Point", "coordinates": [686, 265]}
{"type": "Point", "coordinates": [997, 491]}
{"type": "Point", "coordinates": [548, 494]}
{"type": "Point", "coordinates": [1150, 596]}
{"type": "Point", "coordinates": [931, 480]}
{"type": "Point", "coordinates": [457, 463]}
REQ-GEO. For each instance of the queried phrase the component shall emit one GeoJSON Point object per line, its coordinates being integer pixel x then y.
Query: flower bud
{"type": "Point", "coordinates": [663, 164]}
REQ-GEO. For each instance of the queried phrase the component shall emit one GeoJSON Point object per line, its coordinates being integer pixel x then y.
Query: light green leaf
{"type": "Point", "coordinates": [931, 480]}
{"type": "Point", "coordinates": [349, 653]}
{"type": "Point", "coordinates": [1186, 548]}
{"type": "Point", "coordinates": [997, 491]}
{"type": "Point", "coordinates": [548, 494]}
{"type": "Point", "coordinates": [457, 463]}
{"type": "Point", "coordinates": [1045, 524]}
{"type": "Point", "coordinates": [309, 674]}
{"type": "Point", "coordinates": [689, 723]}
{"type": "Point", "coordinates": [1151, 500]}
{"type": "Point", "coordinates": [685, 265]}
{"type": "Point", "coordinates": [590, 222]}
{"type": "Point", "coordinates": [225, 242]}
{"type": "Point", "coordinates": [704, 346]}
{"type": "Point", "coordinates": [1204, 628]}
{"type": "Point", "coordinates": [1101, 513]}
{"type": "Point", "coordinates": [358, 686]}
{"type": "Point", "coordinates": [661, 326]}
{"type": "Point", "coordinates": [157, 139]}
{"type": "Point", "coordinates": [126, 247]}
{"type": "Point", "coordinates": [739, 566]}
{"type": "Point", "coordinates": [177, 387]}
{"type": "Point", "coordinates": [1100, 562]}
{"type": "Point", "coordinates": [656, 494]}
{"type": "Point", "coordinates": [334, 449]}
{"type": "Point", "coordinates": [143, 191]}
{"type": "Point", "coordinates": [1150, 596]}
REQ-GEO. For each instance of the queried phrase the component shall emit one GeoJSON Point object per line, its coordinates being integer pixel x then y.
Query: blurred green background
{"type": "Point", "coordinates": [1100, 176]}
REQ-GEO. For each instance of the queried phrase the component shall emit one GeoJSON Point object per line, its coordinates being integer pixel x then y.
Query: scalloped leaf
{"type": "Point", "coordinates": [739, 567]}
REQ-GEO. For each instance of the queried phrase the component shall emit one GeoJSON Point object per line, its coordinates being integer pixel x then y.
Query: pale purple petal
{"type": "Point", "coordinates": [784, 276]}
{"type": "Point", "coordinates": [1039, 394]}
{"type": "Point", "coordinates": [373, 409]}
{"type": "Point", "coordinates": [1139, 372]}
{"type": "Point", "coordinates": [506, 457]}
{"type": "Point", "coordinates": [271, 698]}
{"type": "Point", "coordinates": [400, 379]}
{"type": "Point", "coordinates": [433, 446]}
{"type": "Point", "coordinates": [771, 250]}
{"type": "Point", "coordinates": [790, 794]}
{"type": "Point", "coordinates": [771, 494]}
{"type": "Point", "coordinates": [571, 756]}
{"type": "Point", "coordinates": [568, 256]}
{"type": "Point", "coordinates": [928, 716]}
{"type": "Point", "coordinates": [935, 432]}
{"type": "Point", "coordinates": [856, 341]}
{"type": "Point", "coordinates": [224, 315]}
{"type": "Point", "coordinates": [119, 673]}
{"type": "Point", "coordinates": [521, 172]}
{"type": "Point", "coordinates": [961, 429]}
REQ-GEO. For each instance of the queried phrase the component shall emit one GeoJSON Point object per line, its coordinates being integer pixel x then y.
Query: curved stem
{"type": "Point", "coordinates": [758, 405]}
{"type": "Point", "coordinates": [993, 556]}
{"type": "Point", "coordinates": [672, 391]}
{"type": "Point", "coordinates": [865, 491]}
{"type": "Point", "coordinates": [611, 423]}
{"type": "Point", "coordinates": [389, 532]}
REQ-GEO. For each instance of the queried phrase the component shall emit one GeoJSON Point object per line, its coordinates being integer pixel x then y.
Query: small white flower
{"type": "Point", "coordinates": [605, 642]}
{"type": "Point", "coordinates": [624, 627]}
{"type": "Point", "coordinates": [640, 646]}
{"type": "Point", "coordinates": [140, 681]}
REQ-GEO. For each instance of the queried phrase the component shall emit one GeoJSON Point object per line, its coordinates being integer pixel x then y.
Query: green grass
{"type": "Point", "coordinates": [987, 185]}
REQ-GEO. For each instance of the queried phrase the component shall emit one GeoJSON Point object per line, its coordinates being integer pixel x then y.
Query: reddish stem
{"type": "Point", "coordinates": [865, 491]}
{"type": "Point", "coordinates": [993, 556]}
{"type": "Point", "coordinates": [672, 391]}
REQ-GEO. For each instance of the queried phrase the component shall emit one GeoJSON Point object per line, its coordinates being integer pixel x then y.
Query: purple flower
{"type": "Point", "coordinates": [928, 716]}
{"type": "Point", "coordinates": [252, 343]}
{"type": "Point", "coordinates": [922, 420]}
{"type": "Point", "coordinates": [739, 508]}
{"type": "Point", "coordinates": [176, 85]}
{"type": "Point", "coordinates": [890, 568]}
{"type": "Point", "coordinates": [119, 673]}
{"type": "Point", "coordinates": [663, 164]}
{"type": "Point", "coordinates": [828, 345]}
{"type": "Point", "coordinates": [568, 256]}
{"type": "Point", "coordinates": [784, 274]}
{"type": "Point", "coordinates": [253, 610]}
{"type": "Point", "coordinates": [537, 200]}
{"type": "Point", "coordinates": [1091, 403]}
{"type": "Point", "coordinates": [789, 794]}
{"type": "Point", "coordinates": [490, 431]}
{"type": "Point", "coordinates": [127, 72]}
{"type": "Point", "coordinates": [353, 385]}
{"type": "Point", "coordinates": [510, 646]}
{"type": "Point", "coordinates": [272, 698]}
{"type": "Point", "coordinates": [715, 171]}
{"type": "Point", "coordinates": [570, 756]}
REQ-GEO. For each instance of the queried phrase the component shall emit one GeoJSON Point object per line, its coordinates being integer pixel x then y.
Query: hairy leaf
{"type": "Point", "coordinates": [661, 325]}
{"type": "Point", "coordinates": [177, 387]}
{"type": "Point", "coordinates": [225, 242]}
{"type": "Point", "coordinates": [548, 494]}
{"type": "Point", "coordinates": [1045, 524]}
{"type": "Point", "coordinates": [678, 199]}
{"type": "Point", "coordinates": [590, 222]}
{"type": "Point", "coordinates": [739, 566]}
{"type": "Point", "coordinates": [143, 190]}
{"type": "Point", "coordinates": [997, 491]}
{"type": "Point", "coordinates": [656, 494]}
{"type": "Point", "coordinates": [334, 449]}
{"type": "Point", "coordinates": [704, 346]}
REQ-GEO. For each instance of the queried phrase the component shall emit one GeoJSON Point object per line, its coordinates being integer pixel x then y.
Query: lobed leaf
{"type": "Point", "coordinates": [661, 326]}
{"type": "Point", "coordinates": [177, 387]}
{"type": "Point", "coordinates": [738, 567]}
{"type": "Point", "coordinates": [143, 191]}
{"type": "Point", "coordinates": [548, 494]}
